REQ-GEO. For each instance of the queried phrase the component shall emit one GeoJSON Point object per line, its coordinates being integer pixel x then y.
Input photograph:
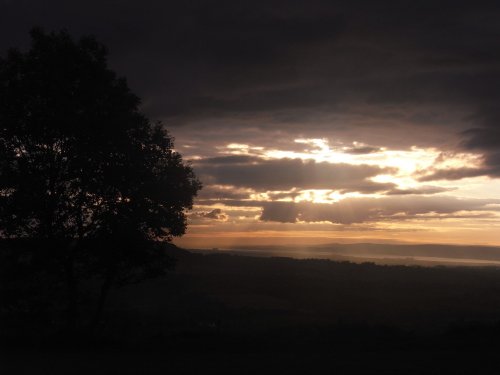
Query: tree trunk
{"type": "Point", "coordinates": [103, 295]}
{"type": "Point", "coordinates": [72, 290]}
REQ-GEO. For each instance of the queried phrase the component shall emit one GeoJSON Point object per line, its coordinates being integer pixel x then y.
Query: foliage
{"type": "Point", "coordinates": [82, 170]}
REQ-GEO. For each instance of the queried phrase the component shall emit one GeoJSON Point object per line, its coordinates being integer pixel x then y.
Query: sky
{"type": "Point", "coordinates": [312, 121]}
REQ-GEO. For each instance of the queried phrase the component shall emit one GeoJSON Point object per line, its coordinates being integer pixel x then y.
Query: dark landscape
{"type": "Point", "coordinates": [223, 313]}
{"type": "Point", "coordinates": [249, 187]}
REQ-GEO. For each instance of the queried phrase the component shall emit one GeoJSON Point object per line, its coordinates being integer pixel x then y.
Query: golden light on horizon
{"type": "Point", "coordinates": [398, 185]}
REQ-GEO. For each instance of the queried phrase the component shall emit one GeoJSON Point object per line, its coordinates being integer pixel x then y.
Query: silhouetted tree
{"type": "Point", "coordinates": [85, 178]}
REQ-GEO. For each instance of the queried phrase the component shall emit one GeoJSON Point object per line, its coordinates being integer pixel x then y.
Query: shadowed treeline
{"type": "Point", "coordinates": [233, 291]}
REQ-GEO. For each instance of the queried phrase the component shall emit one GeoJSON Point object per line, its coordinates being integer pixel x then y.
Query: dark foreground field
{"type": "Point", "coordinates": [234, 314]}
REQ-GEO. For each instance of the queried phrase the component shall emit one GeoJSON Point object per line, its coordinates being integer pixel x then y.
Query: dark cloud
{"type": "Point", "coordinates": [199, 58]}
{"type": "Point", "coordinates": [387, 73]}
{"type": "Point", "coordinates": [230, 159]}
{"type": "Point", "coordinates": [362, 150]}
{"type": "Point", "coordinates": [285, 174]}
{"type": "Point", "coordinates": [359, 210]}
{"type": "Point", "coordinates": [215, 214]}
{"type": "Point", "coordinates": [487, 141]}
{"type": "Point", "coordinates": [424, 190]}
{"type": "Point", "coordinates": [212, 192]}
{"type": "Point", "coordinates": [292, 194]}
{"type": "Point", "coordinates": [282, 212]}
{"type": "Point", "coordinates": [453, 174]}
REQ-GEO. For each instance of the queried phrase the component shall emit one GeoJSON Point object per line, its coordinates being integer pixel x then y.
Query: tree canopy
{"type": "Point", "coordinates": [81, 165]}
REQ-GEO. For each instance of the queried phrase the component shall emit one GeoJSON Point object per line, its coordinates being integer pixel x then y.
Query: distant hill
{"type": "Point", "coordinates": [406, 254]}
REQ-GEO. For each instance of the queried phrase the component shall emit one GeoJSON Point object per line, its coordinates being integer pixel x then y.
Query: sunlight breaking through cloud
{"type": "Point", "coordinates": [244, 180]}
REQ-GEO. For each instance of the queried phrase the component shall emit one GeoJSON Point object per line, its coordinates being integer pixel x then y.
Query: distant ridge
{"type": "Point", "coordinates": [424, 254]}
